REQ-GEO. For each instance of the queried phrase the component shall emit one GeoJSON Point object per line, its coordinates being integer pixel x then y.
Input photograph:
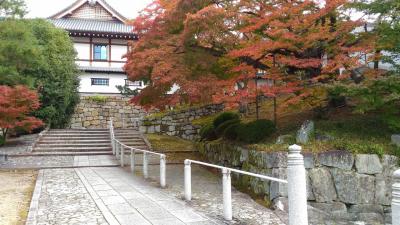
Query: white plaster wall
{"type": "Point", "coordinates": [83, 54]}
{"type": "Point", "coordinates": [114, 80]}
{"type": "Point", "coordinates": [117, 51]}
{"type": "Point", "coordinates": [83, 50]}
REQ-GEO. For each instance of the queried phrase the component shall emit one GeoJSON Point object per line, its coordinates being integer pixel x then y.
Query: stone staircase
{"type": "Point", "coordinates": [74, 142]}
{"type": "Point", "coordinates": [131, 138]}
{"type": "Point", "coordinates": [97, 142]}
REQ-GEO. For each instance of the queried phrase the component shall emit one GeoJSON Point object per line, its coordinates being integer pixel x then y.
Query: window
{"type": "Point", "coordinates": [133, 83]}
{"type": "Point", "coordinates": [100, 52]}
{"type": "Point", "coordinates": [100, 81]}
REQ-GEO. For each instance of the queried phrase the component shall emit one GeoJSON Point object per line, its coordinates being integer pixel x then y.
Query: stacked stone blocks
{"type": "Point", "coordinates": [90, 113]}
{"type": "Point", "coordinates": [179, 123]}
{"type": "Point", "coordinates": [342, 185]}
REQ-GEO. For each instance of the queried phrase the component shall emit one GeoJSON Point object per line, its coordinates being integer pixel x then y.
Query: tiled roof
{"type": "Point", "coordinates": [102, 69]}
{"type": "Point", "coordinates": [92, 26]}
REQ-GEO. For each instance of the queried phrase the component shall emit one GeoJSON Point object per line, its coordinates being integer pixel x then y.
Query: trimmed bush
{"type": "Point", "coordinates": [231, 132]}
{"type": "Point", "coordinates": [207, 132]}
{"type": "Point", "coordinates": [225, 116]}
{"type": "Point", "coordinates": [219, 131]}
{"type": "Point", "coordinates": [255, 131]}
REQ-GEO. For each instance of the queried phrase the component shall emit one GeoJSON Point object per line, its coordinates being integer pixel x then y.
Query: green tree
{"type": "Point", "coordinates": [386, 16]}
{"type": "Point", "coordinates": [35, 53]}
{"type": "Point", "coordinates": [380, 96]}
{"type": "Point", "coordinates": [12, 8]}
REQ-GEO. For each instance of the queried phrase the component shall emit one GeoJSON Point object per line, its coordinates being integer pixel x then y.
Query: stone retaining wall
{"type": "Point", "coordinates": [92, 113]}
{"type": "Point", "coordinates": [179, 123]}
{"type": "Point", "coordinates": [343, 187]}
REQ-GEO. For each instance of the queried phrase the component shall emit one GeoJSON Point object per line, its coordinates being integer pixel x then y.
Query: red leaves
{"type": "Point", "coordinates": [15, 105]}
{"type": "Point", "coordinates": [293, 42]}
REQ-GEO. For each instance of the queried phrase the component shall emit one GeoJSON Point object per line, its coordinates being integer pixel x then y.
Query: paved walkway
{"type": "Point", "coordinates": [207, 196]}
{"type": "Point", "coordinates": [85, 190]}
{"type": "Point", "coordinates": [39, 162]}
{"type": "Point", "coordinates": [106, 196]}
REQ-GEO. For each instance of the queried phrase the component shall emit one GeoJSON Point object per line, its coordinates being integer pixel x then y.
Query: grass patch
{"type": "Point", "coordinates": [98, 98]}
{"type": "Point", "coordinates": [163, 143]}
{"type": "Point", "coordinates": [206, 120]}
{"type": "Point", "coordinates": [360, 134]}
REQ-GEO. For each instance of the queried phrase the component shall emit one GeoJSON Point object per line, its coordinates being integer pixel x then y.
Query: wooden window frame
{"type": "Point", "coordinates": [107, 53]}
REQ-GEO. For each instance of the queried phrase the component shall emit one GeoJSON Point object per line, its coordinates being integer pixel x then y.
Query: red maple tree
{"type": "Point", "coordinates": [214, 50]}
{"type": "Point", "coordinates": [16, 103]}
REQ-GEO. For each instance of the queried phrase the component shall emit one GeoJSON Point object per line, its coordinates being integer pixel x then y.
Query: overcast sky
{"type": "Point", "coordinates": [46, 8]}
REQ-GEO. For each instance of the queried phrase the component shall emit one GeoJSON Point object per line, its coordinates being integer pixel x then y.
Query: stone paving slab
{"type": "Point", "coordinates": [60, 197]}
{"type": "Point", "coordinates": [41, 162]}
{"type": "Point", "coordinates": [105, 195]}
{"type": "Point", "coordinates": [130, 198]}
{"type": "Point", "coordinates": [207, 196]}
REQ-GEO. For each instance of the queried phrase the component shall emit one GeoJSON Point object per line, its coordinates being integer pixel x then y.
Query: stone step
{"type": "Point", "coordinates": [126, 129]}
{"type": "Point", "coordinates": [134, 142]}
{"type": "Point", "coordinates": [83, 130]}
{"type": "Point", "coordinates": [77, 141]}
{"type": "Point", "coordinates": [79, 131]}
{"type": "Point", "coordinates": [141, 147]}
{"type": "Point", "coordinates": [52, 145]}
{"type": "Point", "coordinates": [127, 133]}
{"type": "Point", "coordinates": [78, 135]}
{"type": "Point", "coordinates": [129, 138]}
{"type": "Point", "coordinates": [69, 153]}
{"type": "Point", "coordinates": [71, 149]}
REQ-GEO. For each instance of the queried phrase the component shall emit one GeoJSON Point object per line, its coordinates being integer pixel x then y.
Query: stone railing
{"type": "Point", "coordinates": [296, 183]}
{"type": "Point", "coordinates": [179, 123]}
{"type": "Point", "coordinates": [118, 149]}
{"type": "Point", "coordinates": [340, 186]}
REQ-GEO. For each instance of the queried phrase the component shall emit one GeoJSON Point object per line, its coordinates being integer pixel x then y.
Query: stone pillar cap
{"type": "Point", "coordinates": [295, 148]}
{"type": "Point", "coordinates": [396, 174]}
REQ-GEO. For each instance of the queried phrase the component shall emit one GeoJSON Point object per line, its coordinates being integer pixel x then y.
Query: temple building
{"type": "Point", "coordinates": [100, 35]}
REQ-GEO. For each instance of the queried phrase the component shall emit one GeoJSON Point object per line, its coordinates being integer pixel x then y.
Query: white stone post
{"type": "Point", "coordinates": [227, 193]}
{"type": "Point", "coordinates": [297, 190]}
{"type": "Point", "coordinates": [122, 155]}
{"type": "Point", "coordinates": [117, 149]}
{"type": "Point", "coordinates": [188, 181]}
{"type": "Point", "coordinates": [145, 166]}
{"type": "Point", "coordinates": [113, 145]}
{"type": "Point", "coordinates": [163, 168]}
{"type": "Point", "coordinates": [396, 198]}
{"type": "Point", "coordinates": [133, 160]}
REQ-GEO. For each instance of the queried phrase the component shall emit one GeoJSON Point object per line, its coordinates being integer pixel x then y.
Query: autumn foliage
{"type": "Point", "coordinates": [214, 50]}
{"type": "Point", "coordinates": [16, 103]}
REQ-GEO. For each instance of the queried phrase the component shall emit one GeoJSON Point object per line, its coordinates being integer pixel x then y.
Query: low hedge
{"type": "Point", "coordinates": [207, 132]}
{"type": "Point", "coordinates": [255, 131]}
{"type": "Point", "coordinates": [231, 132]}
{"type": "Point", "coordinates": [225, 116]}
{"type": "Point", "coordinates": [220, 130]}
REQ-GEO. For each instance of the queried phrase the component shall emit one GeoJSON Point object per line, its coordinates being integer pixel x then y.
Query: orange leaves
{"type": "Point", "coordinates": [15, 105]}
{"type": "Point", "coordinates": [293, 43]}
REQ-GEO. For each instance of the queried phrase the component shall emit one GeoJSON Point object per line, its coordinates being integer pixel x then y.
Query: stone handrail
{"type": "Point", "coordinates": [297, 191]}
{"type": "Point", "coordinates": [118, 149]}
{"type": "Point", "coordinates": [396, 198]}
